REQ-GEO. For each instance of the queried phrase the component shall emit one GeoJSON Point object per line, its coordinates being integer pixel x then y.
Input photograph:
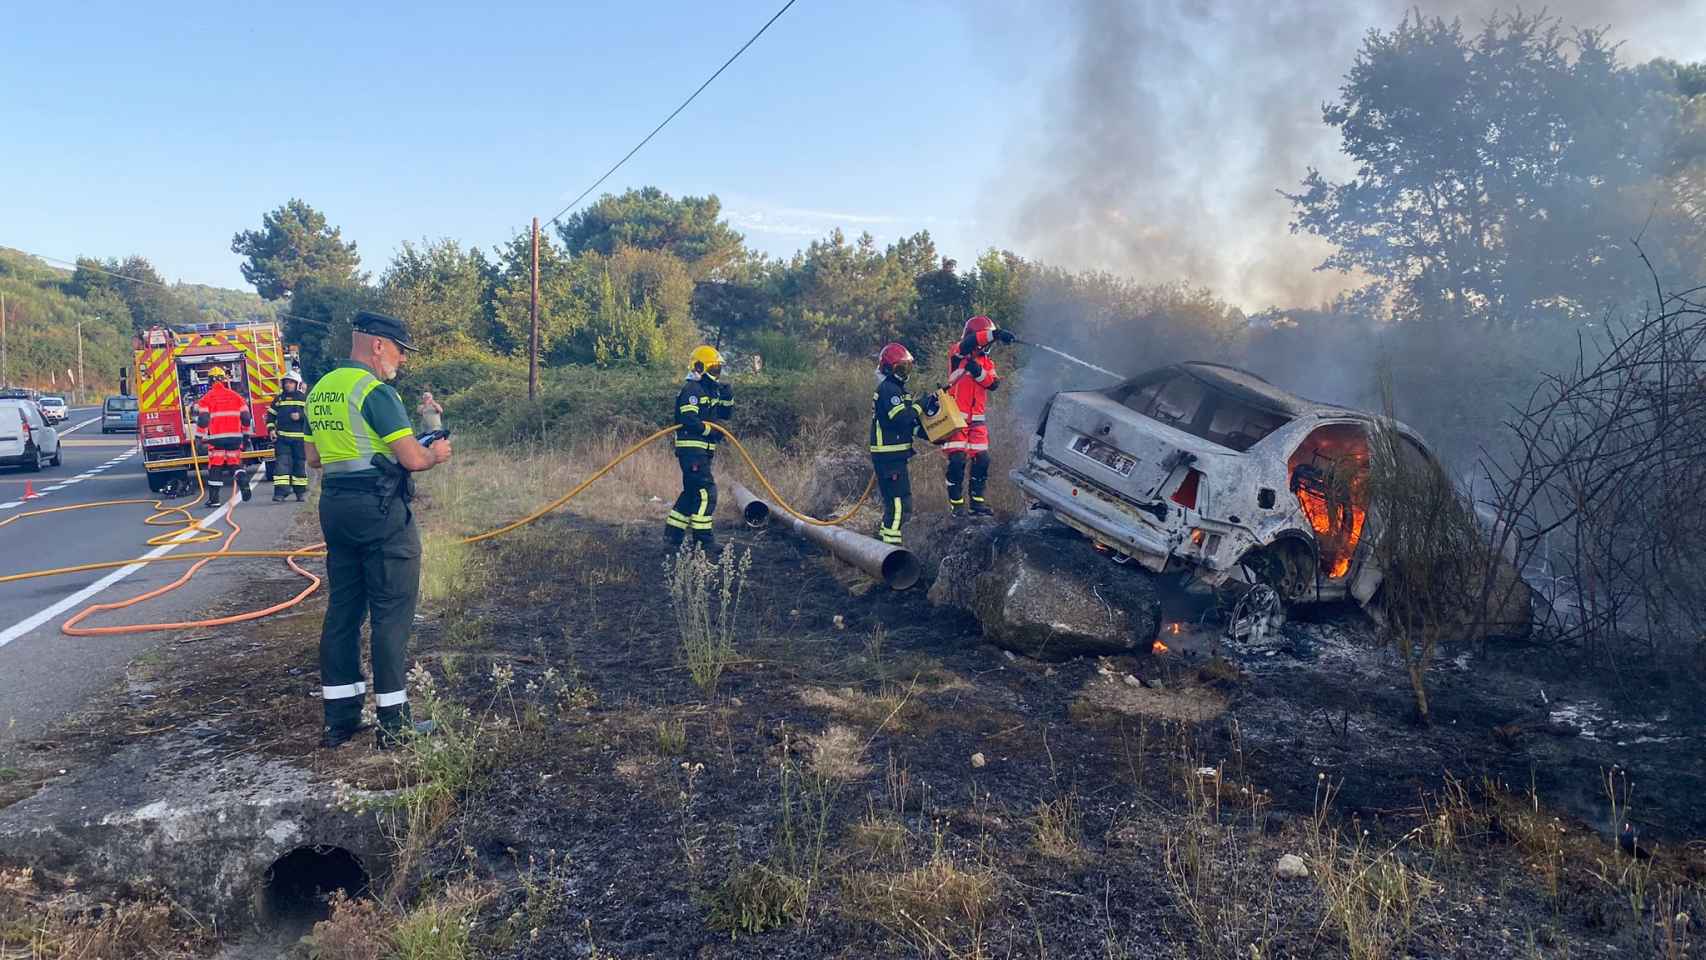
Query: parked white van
{"type": "Point", "coordinates": [25, 438]}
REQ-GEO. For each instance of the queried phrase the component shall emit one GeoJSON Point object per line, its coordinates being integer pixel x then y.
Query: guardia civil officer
{"type": "Point", "coordinates": [359, 435]}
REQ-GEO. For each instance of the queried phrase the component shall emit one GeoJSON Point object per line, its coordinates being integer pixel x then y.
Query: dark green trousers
{"type": "Point", "coordinates": [373, 567]}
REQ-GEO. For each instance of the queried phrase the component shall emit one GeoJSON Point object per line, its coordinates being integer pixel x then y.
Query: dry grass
{"type": "Point", "coordinates": [36, 925]}
{"type": "Point", "coordinates": [938, 908]}
{"type": "Point", "coordinates": [838, 753]}
{"type": "Point", "coordinates": [891, 708]}
{"type": "Point", "coordinates": [1058, 828]}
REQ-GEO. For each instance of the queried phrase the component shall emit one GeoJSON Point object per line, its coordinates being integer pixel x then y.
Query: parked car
{"type": "Point", "coordinates": [26, 440]}
{"type": "Point", "coordinates": [117, 414]}
{"type": "Point", "coordinates": [54, 409]}
{"type": "Point", "coordinates": [1213, 472]}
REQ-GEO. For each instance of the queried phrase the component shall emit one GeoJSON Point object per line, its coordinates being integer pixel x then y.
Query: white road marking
{"type": "Point", "coordinates": [78, 427]}
{"type": "Point", "coordinates": [8, 506]}
{"type": "Point", "coordinates": [51, 489]}
{"type": "Point", "coordinates": [35, 620]}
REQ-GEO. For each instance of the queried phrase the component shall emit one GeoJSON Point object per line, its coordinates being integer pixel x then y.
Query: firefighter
{"type": "Point", "coordinates": [896, 418]}
{"type": "Point", "coordinates": [287, 420]}
{"type": "Point", "coordinates": [971, 376]}
{"type": "Point", "coordinates": [224, 418]}
{"type": "Point", "coordinates": [704, 399]}
{"type": "Point", "coordinates": [359, 435]}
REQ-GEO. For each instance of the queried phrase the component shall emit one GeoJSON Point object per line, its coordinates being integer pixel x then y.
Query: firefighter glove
{"type": "Point", "coordinates": [974, 369]}
{"type": "Point", "coordinates": [1003, 336]}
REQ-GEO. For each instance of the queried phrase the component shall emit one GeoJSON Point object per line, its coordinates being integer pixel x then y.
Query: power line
{"type": "Point", "coordinates": [595, 184]}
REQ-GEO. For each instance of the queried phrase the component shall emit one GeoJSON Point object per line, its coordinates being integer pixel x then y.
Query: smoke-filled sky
{"type": "Point", "coordinates": [1156, 140]}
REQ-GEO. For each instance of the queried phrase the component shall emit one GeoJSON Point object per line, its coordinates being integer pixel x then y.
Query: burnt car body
{"type": "Point", "coordinates": [1212, 472]}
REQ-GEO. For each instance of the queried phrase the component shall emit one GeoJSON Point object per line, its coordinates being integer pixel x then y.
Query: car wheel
{"type": "Point", "coordinates": [58, 456]}
{"type": "Point", "coordinates": [33, 464]}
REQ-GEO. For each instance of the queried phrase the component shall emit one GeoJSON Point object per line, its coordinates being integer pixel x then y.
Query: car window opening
{"type": "Point", "coordinates": [1186, 403]}
{"type": "Point", "coordinates": [1329, 477]}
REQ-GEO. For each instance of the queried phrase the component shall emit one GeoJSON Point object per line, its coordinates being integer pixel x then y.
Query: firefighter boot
{"type": "Point", "coordinates": [243, 484]}
{"type": "Point", "coordinates": [980, 509]}
{"type": "Point", "coordinates": [301, 494]}
{"type": "Point", "coordinates": [214, 488]}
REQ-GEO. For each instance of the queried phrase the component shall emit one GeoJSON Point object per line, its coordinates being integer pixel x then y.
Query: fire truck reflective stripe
{"type": "Point", "coordinates": [343, 691]}
{"type": "Point", "coordinates": [391, 699]}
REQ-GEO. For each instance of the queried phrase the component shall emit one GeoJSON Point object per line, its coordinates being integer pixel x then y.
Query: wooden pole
{"type": "Point", "coordinates": [533, 313]}
{"type": "Point", "coordinates": [5, 380]}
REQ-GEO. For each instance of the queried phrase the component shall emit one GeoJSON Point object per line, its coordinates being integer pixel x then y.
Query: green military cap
{"type": "Point", "coordinates": [380, 325]}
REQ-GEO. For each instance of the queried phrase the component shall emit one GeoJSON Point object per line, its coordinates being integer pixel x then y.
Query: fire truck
{"type": "Point", "coordinates": [171, 374]}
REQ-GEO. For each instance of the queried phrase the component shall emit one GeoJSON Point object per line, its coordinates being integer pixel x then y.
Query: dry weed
{"type": "Point", "coordinates": [838, 754]}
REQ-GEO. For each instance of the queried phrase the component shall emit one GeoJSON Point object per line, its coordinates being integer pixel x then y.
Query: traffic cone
{"type": "Point", "coordinates": [30, 491]}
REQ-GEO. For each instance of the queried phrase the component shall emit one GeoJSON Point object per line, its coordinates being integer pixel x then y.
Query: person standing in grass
{"type": "Point", "coordinates": [359, 435]}
{"type": "Point", "coordinates": [704, 400]}
{"type": "Point", "coordinates": [432, 415]}
{"type": "Point", "coordinates": [896, 418]}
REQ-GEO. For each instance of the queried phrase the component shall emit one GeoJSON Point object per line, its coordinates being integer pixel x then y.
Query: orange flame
{"type": "Point", "coordinates": [1338, 541]}
{"type": "Point", "coordinates": [1158, 648]}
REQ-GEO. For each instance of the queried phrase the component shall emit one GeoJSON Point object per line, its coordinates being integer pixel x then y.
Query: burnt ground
{"type": "Point", "coordinates": [870, 779]}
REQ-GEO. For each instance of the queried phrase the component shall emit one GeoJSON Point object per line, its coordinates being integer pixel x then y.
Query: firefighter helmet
{"type": "Point", "coordinates": [897, 360]}
{"type": "Point", "coordinates": [980, 329]}
{"type": "Point", "coordinates": [217, 373]}
{"type": "Point", "coordinates": [706, 359]}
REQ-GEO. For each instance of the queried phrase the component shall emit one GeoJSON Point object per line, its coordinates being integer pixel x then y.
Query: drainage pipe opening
{"type": "Point", "coordinates": [297, 884]}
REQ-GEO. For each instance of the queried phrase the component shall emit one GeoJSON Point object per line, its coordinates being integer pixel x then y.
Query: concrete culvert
{"type": "Point", "coordinates": [296, 885]}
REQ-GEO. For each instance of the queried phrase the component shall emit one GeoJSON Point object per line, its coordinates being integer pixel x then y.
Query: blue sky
{"type": "Point", "coordinates": [164, 131]}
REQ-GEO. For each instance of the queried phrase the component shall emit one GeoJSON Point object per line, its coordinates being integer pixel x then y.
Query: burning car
{"type": "Point", "coordinates": [1213, 472]}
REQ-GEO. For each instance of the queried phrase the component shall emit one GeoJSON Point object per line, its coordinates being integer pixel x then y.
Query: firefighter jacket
{"type": "Point", "coordinates": [222, 413]}
{"type": "Point", "coordinates": [971, 392]}
{"type": "Point", "coordinates": [287, 418]}
{"type": "Point", "coordinates": [895, 419]}
{"type": "Point", "coordinates": [701, 402]}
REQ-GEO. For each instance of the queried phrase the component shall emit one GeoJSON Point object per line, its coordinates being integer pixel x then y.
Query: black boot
{"type": "Point", "coordinates": [243, 485]}
{"type": "Point", "coordinates": [981, 509]}
{"type": "Point", "coordinates": [280, 494]}
{"type": "Point", "coordinates": [959, 509]}
{"type": "Point", "coordinates": [301, 494]}
{"type": "Point", "coordinates": [333, 737]}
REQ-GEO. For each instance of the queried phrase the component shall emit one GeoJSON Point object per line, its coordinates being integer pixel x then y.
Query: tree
{"type": "Point", "coordinates": [147, 299]}
{"type": "Point", "coordinates": [294, 244]}
{"type": "Point", "coordinates": [443, 291]}
{"type": "Point", "coordinates": [1499, 178]}
{"type": "Point", "coordinates": [690, 229]}
{"type": "Point", "coordinates": [320, 318]}
{"type": "Point", "coordinates": [848, 293]}
{"type": "Point", "coordinates": [940, 311]}
{"type": "Point", "coordinates": [567, 289]}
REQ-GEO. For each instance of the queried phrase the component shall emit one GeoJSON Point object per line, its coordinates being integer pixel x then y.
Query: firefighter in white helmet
{"type": "Point", "coordinates": [287, 421]}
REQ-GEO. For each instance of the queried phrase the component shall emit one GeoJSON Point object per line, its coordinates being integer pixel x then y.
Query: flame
{"type": "Point", "coordinates": [1337, 545]}
{"type": "Point", "coordinates": [1174, 628]}
{"type": "Point", "coordinates": [1158, 648]}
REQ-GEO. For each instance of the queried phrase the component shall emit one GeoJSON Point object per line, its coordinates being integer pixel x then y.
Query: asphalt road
{"type": "Point", "coordinates": [45, 675]}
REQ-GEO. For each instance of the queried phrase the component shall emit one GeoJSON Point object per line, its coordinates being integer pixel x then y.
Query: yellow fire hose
{"type": "Point", "coordinates": [205, 534]}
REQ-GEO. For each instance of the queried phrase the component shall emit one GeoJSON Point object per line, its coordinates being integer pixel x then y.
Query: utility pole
{"type": "Point", "coordinates": [80, 357]}
{"type": "Point", "coordinates": [5, 380]}
{"type": "Point", "coordinates": [533, 313]}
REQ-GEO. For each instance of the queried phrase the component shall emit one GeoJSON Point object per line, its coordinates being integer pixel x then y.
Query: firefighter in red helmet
{"type": "Point", "coordinates": [971, 376]}
{"type": "Point", "coordinates": [896, 418]}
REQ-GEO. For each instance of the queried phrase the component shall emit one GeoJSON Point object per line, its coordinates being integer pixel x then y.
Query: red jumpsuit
{"type": "Point", "coordinates": [971, 394]}
{"type": "Point", "coordinates": [223, 415]}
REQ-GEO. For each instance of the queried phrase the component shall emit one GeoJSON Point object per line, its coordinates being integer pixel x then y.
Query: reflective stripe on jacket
{"type": "Point", "coordinates": [895, 419]}
{"type": "Point", "coordinates": [227, 412]}
{"type": "Point", "coordinates": [288, 415]}
{"type": "Point", "coordinates": [701, 402]}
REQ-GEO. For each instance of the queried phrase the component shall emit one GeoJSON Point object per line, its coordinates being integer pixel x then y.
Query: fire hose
{"type": "Point", "coordinates": [204, 534]}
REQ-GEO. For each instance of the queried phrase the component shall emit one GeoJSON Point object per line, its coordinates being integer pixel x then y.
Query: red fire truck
{"type": "Point", "coordinates": [171, 374]}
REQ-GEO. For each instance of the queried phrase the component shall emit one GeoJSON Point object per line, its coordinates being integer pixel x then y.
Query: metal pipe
{"type": "Point", "coordinates": [754, 511]}
{"type": "Point", "coordinates": [895, 566]}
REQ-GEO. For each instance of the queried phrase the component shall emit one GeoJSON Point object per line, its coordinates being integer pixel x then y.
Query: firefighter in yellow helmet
{"type": "Point", "coordinates": [704, 399]}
